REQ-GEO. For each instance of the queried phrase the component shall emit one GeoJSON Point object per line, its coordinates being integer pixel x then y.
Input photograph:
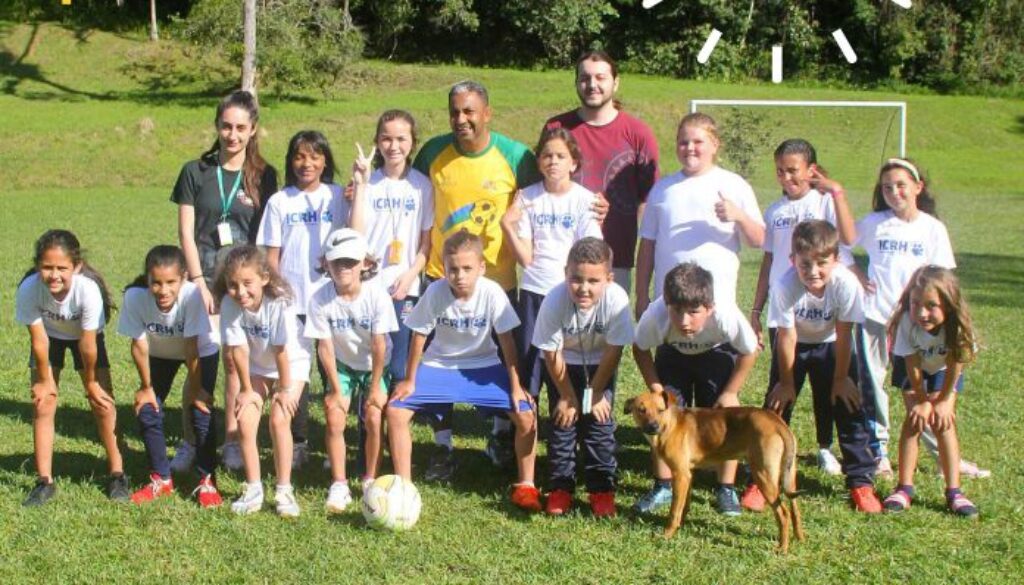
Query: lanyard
{"type": "Point", "coordinates": [579, 339]}
{"type": "Point", "coordinates": [226, 202]}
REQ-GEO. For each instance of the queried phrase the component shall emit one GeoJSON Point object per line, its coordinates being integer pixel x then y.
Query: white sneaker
{"type": "Point", "coordinates": [232, 456]}
{"type": "Point", "coordinates": [251, 501]}
{"type": "Point", "coordinates": [300, 454]}
{"type": "Point", "coordinates": [366, 483]}
{"type": "Point", "coordinates": [968, 469]}
{"type": "Point", "coordinates": [338, 498]}
{"type": "Point", "coordinates": [828, 463]}
{"type": "Point", "coordinates": [883, 468]}
{"type": "Point", "coordinates": [184, 457]}
{"type": "Point", "coordinates": [287, 507]}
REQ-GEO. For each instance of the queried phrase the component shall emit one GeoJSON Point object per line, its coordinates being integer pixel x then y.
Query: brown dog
{"type": "Point", "coordinates": [700, 437]}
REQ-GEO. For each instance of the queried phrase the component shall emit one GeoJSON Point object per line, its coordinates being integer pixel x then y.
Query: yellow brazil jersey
{"type": "Point", "coordinates": [472, 192]}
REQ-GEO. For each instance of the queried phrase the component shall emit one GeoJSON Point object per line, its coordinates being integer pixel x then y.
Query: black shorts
{"type": "Point", "coordinates": [58, 349]}
{"type": "Point", "coordinates": [697, 380]}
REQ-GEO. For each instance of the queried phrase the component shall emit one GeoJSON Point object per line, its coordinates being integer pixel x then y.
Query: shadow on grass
{"type": "Point", "coordinates": [78, 467]}
{"type": "Point", "coordinates": [992, 280]}
{"type": "Point", "coordinates": [158, 77]}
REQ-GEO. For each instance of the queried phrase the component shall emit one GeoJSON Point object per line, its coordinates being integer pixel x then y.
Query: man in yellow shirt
{"type": "Point", "coordinates": [475, 173]}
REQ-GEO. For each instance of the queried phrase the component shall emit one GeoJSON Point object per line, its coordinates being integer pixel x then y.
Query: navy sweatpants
{"type": "Point", "coordinates": [817, 361]}
{"type": "Point", "coordinates": [596, 440]}
{"type": "Point", "coordinates": [151, 422]}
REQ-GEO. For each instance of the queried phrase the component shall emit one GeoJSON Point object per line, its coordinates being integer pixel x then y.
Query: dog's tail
{"type": "Point", "coordinates": [788, 479]}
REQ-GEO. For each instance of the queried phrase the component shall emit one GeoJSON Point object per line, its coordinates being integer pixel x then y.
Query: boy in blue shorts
{"type": "Point", "coordinates": [461, 364]}
{"type": "Point", "coordinates": [581, 327]}
{"type": "Point", "coordinates": [704, 353]}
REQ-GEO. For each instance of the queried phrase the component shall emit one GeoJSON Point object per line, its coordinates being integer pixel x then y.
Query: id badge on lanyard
{"type": "Point", "coordinates": [224, 236]}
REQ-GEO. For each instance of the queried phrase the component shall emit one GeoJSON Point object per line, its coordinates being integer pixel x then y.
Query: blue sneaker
{"type": "Point", "coordinates": [659, 497]}
{"type": "Point", "coordinates": [727, 501]}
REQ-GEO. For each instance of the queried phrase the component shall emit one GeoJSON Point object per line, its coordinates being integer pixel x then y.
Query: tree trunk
{"type": "Point", "coordinates": [249, 42]}
{"type": "Point", "coordinates": [154, 33]}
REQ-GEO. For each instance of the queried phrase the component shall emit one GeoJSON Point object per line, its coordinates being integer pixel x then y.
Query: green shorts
{"type": "Point", "coordinates": [354, 382]}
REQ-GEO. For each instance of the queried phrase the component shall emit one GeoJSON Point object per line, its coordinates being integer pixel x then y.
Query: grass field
{"type": "Point", "coordinates": [93, 131]}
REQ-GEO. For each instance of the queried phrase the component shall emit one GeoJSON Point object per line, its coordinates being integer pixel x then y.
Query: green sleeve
{"type": "Point", "coordinates": [430, 152]}
{"type": "Point", "coordinates": [519, 158]}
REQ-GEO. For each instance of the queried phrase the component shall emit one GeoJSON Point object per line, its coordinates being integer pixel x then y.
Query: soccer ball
{"type": "Point", "coordinates": [391, 503]}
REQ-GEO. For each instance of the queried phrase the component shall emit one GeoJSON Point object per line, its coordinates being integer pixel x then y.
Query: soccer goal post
{"type": "Point", "coordinates": [900, 106]}
{"type": "Point", "coordinates": [852, 138]}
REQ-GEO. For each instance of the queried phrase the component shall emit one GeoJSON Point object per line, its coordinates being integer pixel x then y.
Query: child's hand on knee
{"type": "Point", "coordinates": [403, 390]}
{"type": "Point", "coordinates": [246, 399]}
{"type": "Point", "coordinates": [919, 415]}
{"type": "Point", "coordinates": [42, 391]}
{"type": "Point", "coordinates": [144, 396]}
{"type": "Point", "coordinates": [288, 400]}
{"type": "Point", "coordinates": [943, 415]}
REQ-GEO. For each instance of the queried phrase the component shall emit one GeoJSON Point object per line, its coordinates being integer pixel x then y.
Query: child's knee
{"type": "Point", "coordinates": [279, 418]}
{"type": "Point", "coordinates": [522, 420]}
{"type": "Point", "coordinates": [398, 418]}
{"type": "Point", "coordinates": [45, 404]}
{"type": "Point", "coordinates": [150, 416]}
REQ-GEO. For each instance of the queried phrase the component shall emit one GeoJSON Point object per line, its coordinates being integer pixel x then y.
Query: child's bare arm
{"type": "Point", "coordinates": [406, 387]}
{"type": "Point", "coordinates": [730, 394]}
{"type": "Point", "coordinates": [508, 349]}
{"type": "Point", "coordinates": [644, 269]}
{"type": "Point", "coordinates": [843, 388]}
{"type": "Point", "coordinates": [761, 296]}
{"type": "Point", "coordinates": [568, 409]}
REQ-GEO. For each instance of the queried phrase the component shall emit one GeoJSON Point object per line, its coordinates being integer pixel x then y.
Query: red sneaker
{"type": "Point", "coordinates": [602, 504]}
{"type": "Point", "coordinates": [752, 498]}
{"type": "Point", "coordinates": [865, 500]}
{"type": "Point", "coordinates": [156, 488]}
{"type": "Point", "coordinates": [206, 493]}
{"type": "Point", "coordinates": [559, 502]}
{"type": "Point", "coordinates": [526, 497]}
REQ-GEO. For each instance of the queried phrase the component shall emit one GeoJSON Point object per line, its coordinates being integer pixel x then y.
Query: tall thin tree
{"type": "Point", "coordinates": [249, 46]}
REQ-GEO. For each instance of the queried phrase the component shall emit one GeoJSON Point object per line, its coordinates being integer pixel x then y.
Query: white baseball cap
{"type": "Point", "coordinates": [345, 243]}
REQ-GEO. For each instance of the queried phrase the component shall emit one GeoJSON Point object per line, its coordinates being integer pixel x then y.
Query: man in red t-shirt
{"type": "Point", "coordinates": [620, 155]}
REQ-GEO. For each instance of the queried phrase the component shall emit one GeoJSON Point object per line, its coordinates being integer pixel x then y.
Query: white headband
{"type": "Point", "coordinates": [899, 162]}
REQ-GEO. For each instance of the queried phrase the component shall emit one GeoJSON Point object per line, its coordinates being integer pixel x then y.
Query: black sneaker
{"type": "Point", "coordinates": [118, 489]}
{"type": "Point", "coordinates": [501, 449]}
{"type": "Point", "coordinates": [41, 493]}
{"type": "Point", "coordinates": [727, 501]}
{"type": "Point", "coordinates": [442, 466]}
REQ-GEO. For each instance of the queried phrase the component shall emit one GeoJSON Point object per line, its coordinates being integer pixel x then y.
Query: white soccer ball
{"type": "Point", "coordinates": [391, 503]}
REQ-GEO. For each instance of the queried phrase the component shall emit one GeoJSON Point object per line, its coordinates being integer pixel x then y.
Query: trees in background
{"type": "Point", "coordinates": [949, 45]}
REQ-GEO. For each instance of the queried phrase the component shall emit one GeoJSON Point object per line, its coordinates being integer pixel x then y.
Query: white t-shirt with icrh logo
{"type": "Point", "coordinates": [166, 333]}
{"type": "Point", "coordinates": [397, 210]}
{"type": "Point", "coordinates": [351, 324]}
{"type": "Point", "coordinates": [553, 223]}
{"type": "Point", "coordinates": [273, 324]}
{"type": "Point", "coordinates": [583, 335]}
{"type": "Point", "coordinates": [896, 248]}
{"type": "Point", "coordinates": [298, 222]}
{"type": "Point", "coordinates": [462, 328]}
{"type": "Point", "coordinates": [814, 318]}
{"type": "Point", "coordinates": [725, 325]}
{"type": "Point", "coordinates": [81, 309]}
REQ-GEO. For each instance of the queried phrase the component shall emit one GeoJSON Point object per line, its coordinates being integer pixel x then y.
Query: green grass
{"type": "Point", "coordinates": [75, 156]}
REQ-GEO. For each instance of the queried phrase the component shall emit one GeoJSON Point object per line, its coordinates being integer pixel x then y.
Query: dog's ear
{"type": "Point", "coordinates": [670, 399]}
{"type": "Point", "coordinates": [628, 408]}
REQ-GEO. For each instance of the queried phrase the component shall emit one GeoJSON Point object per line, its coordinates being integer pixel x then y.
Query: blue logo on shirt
{"type": "Point", "coordinates": [309, 216]}
{"type": "Point", "coordinates": [260, 331]}
{"type": "Point", "coordinates": [162, 330]}
{"type": "Point", "coordinates": [596, 328]}
{"type": "Point", "coordinates": [342, 324]}
{"type": "Point", "coordinates": [690, 346]}
{"type": "Point", "coordinates": [791, 221]}
{"type": "Point", "coordinates": [806, 314]}
{"type": "Point", "coordinates": [397, 203]}
{"type": "Point", "coordinates": [51, 316]}
{"type": "Point", "coordinates": [901, 247]}
{"type": "Point", "coordinates": [462, 323]}
{"type": "Point", "coordinates": [566, 220]}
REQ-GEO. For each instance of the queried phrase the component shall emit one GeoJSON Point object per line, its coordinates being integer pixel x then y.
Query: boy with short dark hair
{"type": "Point", "coordinates": [704, 354]}
{"type": "Point", "coordinates": [816, 304]}
{"type": "Point", "coordinates": [461, 364]}
{"type": "Point", "coordinates": [581, 328]}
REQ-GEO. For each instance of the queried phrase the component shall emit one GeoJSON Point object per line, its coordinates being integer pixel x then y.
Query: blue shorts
{"type": "Point", "coordinates": [438, 388]}
{"type": "Point", "coordinates": [933, 382]}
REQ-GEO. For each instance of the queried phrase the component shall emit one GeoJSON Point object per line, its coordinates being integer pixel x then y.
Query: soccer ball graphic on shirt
{"type": "Point", "coordinates": [838, 35]}
{"type": "Point", "coordinates": [391, 503]}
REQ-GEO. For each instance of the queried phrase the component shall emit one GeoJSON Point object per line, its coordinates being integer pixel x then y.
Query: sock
{"type": "Point", "coordinates": [254, 485]}
{"type": "Point", "coordinates": [907, 489]}
{"type": "Point", "coordinates": [443, 438]}
{"type": "Point", "coordinates": [284, 488]}
{"type": "Point", "coordinates": [526, 483]}
{"type": "Point", "coordinates": [502, 425]}
{"type": "Point", "coordinates": [727, 486]}
{"type": "Point", "coordinates": [663, 483]}
{"type": "Point", "coordinates": [952, 492]}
